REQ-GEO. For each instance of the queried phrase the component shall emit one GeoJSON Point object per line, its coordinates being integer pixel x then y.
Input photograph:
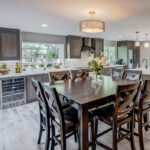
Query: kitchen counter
{"type": "Point", "coordinates": [17, 89]}
{"type": "Point", "coordinates": [144, 70]}
{"type": "Point", "coordinates": [41, 71]}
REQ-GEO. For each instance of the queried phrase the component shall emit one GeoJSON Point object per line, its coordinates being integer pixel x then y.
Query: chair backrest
{"type": "Point", "coordinates": [78, 74]}
{"type": "Point", "coordinates": [56, 113]}
{"type": "Point", "coordinates": [133, 75]}
{"type": "Point", "coordinates": [41, 100]}
{"type": "Point", "coordinates": [58, 76]}
{"type": "Point", "coordinates": [125, 98]}
{"type": "Point", "coordinates": [117, 73]}
{"type": "Point", "coordinates": [145, 95]}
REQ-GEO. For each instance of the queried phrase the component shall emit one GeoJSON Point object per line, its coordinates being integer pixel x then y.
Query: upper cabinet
{"type": "Point", "coordinates": [74, 44]}
{"type": "Point", "coordinates": [77, 44]}
{"type": "Point", "coordinates": [9, 44]}
{"type": "Point", "coordinates": [98, 46]}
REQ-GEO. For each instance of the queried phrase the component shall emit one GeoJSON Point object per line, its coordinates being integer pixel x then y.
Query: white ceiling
{"type": "Point", "coordinates": [122, 17]}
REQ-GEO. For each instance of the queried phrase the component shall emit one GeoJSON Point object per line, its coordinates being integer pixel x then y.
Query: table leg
{"type": "Point", "coordinates": [83, 127]}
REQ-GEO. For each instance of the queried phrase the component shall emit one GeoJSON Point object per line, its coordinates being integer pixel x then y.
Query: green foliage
{"type": "Point", "coordinates": [40, 50]}
{"type": "Point", "coordinates": [97, 67]}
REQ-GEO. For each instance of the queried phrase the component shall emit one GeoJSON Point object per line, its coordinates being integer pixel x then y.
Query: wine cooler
{"type": "Point", "coordinates": [12, 92]}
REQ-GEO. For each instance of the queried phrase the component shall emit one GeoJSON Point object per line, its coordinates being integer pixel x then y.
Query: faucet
{"type": "Point", "coordinates": [146, 65]}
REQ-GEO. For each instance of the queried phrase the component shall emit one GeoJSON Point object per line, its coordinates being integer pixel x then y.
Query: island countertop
{"type": "Point", "coordinates": [144, 70]}
{"type": "Point", "coordinates": [42, 71]}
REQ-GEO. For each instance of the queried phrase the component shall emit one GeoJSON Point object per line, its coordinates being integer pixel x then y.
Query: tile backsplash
{"type": "Point", "coordinates": [76, 62]}
{"type": "Point", "coordinates": [10, 64]}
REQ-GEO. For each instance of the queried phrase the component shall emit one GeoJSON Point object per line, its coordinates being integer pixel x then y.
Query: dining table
{"type": "Point", "coordinates": [85, 94]}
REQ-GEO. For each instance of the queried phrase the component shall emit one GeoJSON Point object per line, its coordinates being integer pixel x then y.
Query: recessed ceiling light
{"type": "Point", "coordinates": [120, 36]}
{"type": "Point", "coordinates": [44, 25]}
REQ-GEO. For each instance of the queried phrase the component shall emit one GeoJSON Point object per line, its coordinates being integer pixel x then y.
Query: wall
{"type": "Point", "coordinates": [144, 53]}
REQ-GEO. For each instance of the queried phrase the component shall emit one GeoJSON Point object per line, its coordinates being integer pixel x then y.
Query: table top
{"type": "Point", "coordinates": [84, 91]}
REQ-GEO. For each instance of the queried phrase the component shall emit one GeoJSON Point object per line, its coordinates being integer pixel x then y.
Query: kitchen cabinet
{"type": "Point", "coordinates": [30, 92]}
{"type": "Point", "coordinates": [9, 44]}
{"type": "Point", "coordinates": [98, 46]}
{"type": "Point", "coordinates": [129, 53]}
{"type": "Point", "coordinates": [74, 44]}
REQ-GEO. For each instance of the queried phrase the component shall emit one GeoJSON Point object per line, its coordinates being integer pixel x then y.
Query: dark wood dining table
{"type": "Point", "coordinates": [84, 94]}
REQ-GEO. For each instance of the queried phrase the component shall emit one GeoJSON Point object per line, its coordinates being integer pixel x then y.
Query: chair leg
{"type": "Point", "coordinates": [52, 139]}
{"type": "Point", "coordinates": [140, 130]}
{"type": "Point", "coordinates": [93, 135]}
{"type": "Point", "coordinates": [119, 132]}
{"type": "Point", "coordinates": [146, 119]}
{"type": "Point", "coordinates": [75, 136]}
{"type": "Point", "coordinates": [96, 127]}
{"type": "Point", "coordinates": [40, 134]}
{"type": "Point", "coordinates": [78, 131]}
{"type": "Point", "coordinates": [114, 137]}
{"type": "Point", "coordinates": [132, 134]}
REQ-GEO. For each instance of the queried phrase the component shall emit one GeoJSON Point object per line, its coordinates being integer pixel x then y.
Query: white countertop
{"type": "Point", "coordinates": [144, 71]}
{"type": "Point", "coordinates": [41, 71]}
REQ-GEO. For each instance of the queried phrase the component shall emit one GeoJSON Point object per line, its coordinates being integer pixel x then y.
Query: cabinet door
{"type": "Point", "coordinates": [30, 92]}
{"type": "Point", "coordinates": [99, 47]}
{"type": "Point", "coordinates": [74, 44]}
{"type": "Point", "coordinates": [9, 44]}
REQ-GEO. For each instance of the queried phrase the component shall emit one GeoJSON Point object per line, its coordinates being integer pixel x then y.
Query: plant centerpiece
{"type": "Point", "coordinates": [97, 64]}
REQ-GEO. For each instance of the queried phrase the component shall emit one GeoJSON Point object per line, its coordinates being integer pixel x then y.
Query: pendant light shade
{"type": "Point", "coordinates": [92, 26]}
{"type": "Point", "coordinates": [146, 44]}
{"type": "Point", "coordinates": [137, 43]}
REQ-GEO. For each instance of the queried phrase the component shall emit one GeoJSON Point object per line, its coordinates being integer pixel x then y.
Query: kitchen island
{"type": "Point", "coordinates": [16, 88]}
{"type": "Point", "coordinates": [145, 72]}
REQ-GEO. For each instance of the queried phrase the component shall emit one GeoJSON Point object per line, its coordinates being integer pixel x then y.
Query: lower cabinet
{"type": "Point", "coordinates": [30, 92]}
{"type": "Point", "coordinates": [107, 72]}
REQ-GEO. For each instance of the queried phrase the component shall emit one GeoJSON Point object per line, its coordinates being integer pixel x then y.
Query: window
{"type": "Point", "coordinates": [42, 54]}
{"type": "Point", "coordinates": [110, 51]}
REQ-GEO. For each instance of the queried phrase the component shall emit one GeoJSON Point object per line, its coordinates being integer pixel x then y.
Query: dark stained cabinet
{"type": "Point", "coordinates": [98, 46]}
{"type": "Point", "coordinates": [30, 92]}
{"type": "Point", "coordinates": [74, 44]}
{"type": "Point", "coordinates": [9, 44]}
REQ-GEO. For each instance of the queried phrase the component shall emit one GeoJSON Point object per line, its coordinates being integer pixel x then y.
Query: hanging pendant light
{"type": "Point", "coordinates": [146, 44]}
{"type": "Point", "coordinates": [137, 43]}
{"type": "Point", "coordinates": [92, 26]}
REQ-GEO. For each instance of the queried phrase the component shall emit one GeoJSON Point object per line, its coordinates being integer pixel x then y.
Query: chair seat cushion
{"type": "Point", "coordinates": [104, 113]}
{"type": "Point", "coordinates": [63, 103]}
{"type": "Point", "coordinates": [71, 114]}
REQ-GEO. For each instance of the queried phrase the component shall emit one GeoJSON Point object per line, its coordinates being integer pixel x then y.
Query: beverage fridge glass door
{"type": "Point", "coordinates": [130, 57]}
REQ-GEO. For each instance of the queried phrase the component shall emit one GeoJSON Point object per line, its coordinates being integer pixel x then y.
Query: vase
{"type": "Point", "coordinates": [97, 79]}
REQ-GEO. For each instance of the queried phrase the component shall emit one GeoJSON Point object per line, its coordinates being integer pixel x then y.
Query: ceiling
{"type": "Point", "coordinates": [122, 17]}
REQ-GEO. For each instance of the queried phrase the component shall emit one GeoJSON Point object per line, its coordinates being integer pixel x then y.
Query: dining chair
{"type": "Point", "coordinates": [117, 115]}
{"type": "Point", "coordinates": [132, 75]}
{"type": "Point", "coordinates": [44, 123]}
{"type": "Point", "coordinates": [61, 76]}
{"type": "Point", "coordinates": [142, 110]}
{"type": "Point", "coordinates": [58, 76]}
{"type": "Point", "coordinates": [64, 120]}
{"type": "Point", "coordinates": [82, 73]}
{"type": "Point", "coordinates": [117, 73]}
